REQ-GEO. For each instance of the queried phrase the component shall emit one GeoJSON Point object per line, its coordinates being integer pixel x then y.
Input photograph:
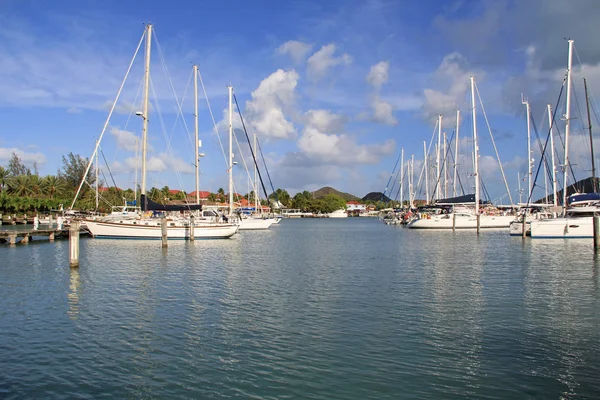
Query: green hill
{"type": "Point", "coordinates": [329, 190]}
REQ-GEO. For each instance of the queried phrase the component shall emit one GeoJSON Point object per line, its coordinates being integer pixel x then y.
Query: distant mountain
{"type": "Point", "coordinates": [583, 186]}
{"type": "Point", "coordinates": [376, 196]}
{"type": "Point", "coordinates": [329, 190]}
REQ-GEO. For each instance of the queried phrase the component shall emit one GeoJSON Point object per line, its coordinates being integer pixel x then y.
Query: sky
{"type": "Point", "coordinates": [333, 90]}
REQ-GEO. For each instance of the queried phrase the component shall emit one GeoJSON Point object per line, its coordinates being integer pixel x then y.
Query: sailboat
{"type": "Point", "coordinates": [145, 226]}
{"type": "Point", "coordinates": [579, 209]}
{"type": "Point", "coordinates": [462, 212]}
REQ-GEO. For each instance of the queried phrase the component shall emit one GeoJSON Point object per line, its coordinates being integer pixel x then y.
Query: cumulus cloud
{"type": "Point", "coordinates": [383, 112]}
{"type": "Point", "coordinates": [451, 81]}
{"type": "Point", "coordinates": [295, 49]}
{"type": "Point", "coordinates": [270, 101]}
{"type": "Point", "coordinates": [126, 140]}
{"type": "Point", "coordinates": [325, 120]}
{"type": "Point", "coordinates": [378, 75]}
{"type": "Point", "coordinates": [323, 60]}
{"type": "Point", "coordinates": [28, 158]}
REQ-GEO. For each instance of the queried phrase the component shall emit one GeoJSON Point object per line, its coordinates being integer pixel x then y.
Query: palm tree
{"type": "Point", "coordinates": [19, 185]}
{"type": "Point", "coordinates": [155, 195]}
{"type": "Point", "coordinates": [3, 177]}
{"type": "Point", "coordinates": [53, 186]}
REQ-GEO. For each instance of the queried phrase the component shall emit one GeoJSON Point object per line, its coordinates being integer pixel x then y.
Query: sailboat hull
{"type": "Point", "coordinates": [462, 222]}
{"type": "Point", "coordinates": [563, 228]}
{"type": "Point", "coordinates": [250, 224]}
{"type": "Point", "coordinates": [149, 229]}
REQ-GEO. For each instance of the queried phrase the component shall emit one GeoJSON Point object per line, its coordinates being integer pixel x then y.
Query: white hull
{"type": "Point", "coordinates": [151, 229]}
{"type": "Point", "coordinates": [563, 228]}
{"type": "Point", "coordinates": [516, 228]}
{"type": "Point", "coordinates": [462, 222]}
{"type": "Point", "coordinates": [251, 224]}
{"type": "Point", "coordinates": [338, 214]}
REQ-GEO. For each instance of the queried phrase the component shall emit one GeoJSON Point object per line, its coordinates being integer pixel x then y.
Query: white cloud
{"type": "Point", "coordinates": [295, 49]}
{"type": "Point", "coordinates": [378, 75]}
{"type": "Point", "coordinates": [126, 140]}
{"type": "Point", "coordinates": [323, 60]}
{"type": "Point", "coordinates": [27, 158]}
{"type": "Point", "coordinates": [383, 112]}
{"type": "Point", "coordinates": [270, 101]}
{"type": "Point", "coordinates": [325, 120]}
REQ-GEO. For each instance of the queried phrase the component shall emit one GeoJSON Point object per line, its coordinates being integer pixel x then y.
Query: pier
{"type": "Point", "coordinates": [10, 236]}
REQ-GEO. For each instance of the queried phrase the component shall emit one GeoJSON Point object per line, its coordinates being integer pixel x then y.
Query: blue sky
{"type": "Point", "coordinates": [333, 89]}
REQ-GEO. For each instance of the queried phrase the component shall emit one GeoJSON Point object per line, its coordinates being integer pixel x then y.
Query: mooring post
{"type": "Point", "coordinates": [74, 243]}
{"type": "Point", "coordinates": [524, 228]}
{"type": "Point", "coordinates": [12, 239]}
{"type": "Point", "coordinates": [51, 237]}
{"type": "Point", "coordinates": [478, 223]}
{"type": "Point", "coordinates": [25, 239]}
{"type": "Point", "coordinates": [453, 221]}
{"type": "Point", "coordinates": [192, 228]}
{"type": "Point", "coordinates": [163, 229]}
{"type": "Point", "coordinates": [50, 222]}
{"type": "Point", "coordinates": [596, 233]}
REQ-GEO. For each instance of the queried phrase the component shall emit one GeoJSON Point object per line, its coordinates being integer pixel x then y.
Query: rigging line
{"type": "Point", "coordinates": [394, 182]}
{"type": "Point", "coordinates": [251, 150]}
{"type": "Point", "coordinates": [168, 141]}
{"type": "Point", "coordinates": [212, 116]}
{"type": "Point", "coordinates": [100, 197]}
{"type": "Point", "coordinates": [418, 188]}
{"type": "Point", "coordinates": [87, 170]}
{"type": "Point", "coordinates": [546, 143]}
{"type": "Point", "coordinates": [539, 141]}
{"type": "Point", "coordinates": [108, 168]}
{"type": "Point", "coordinates": [172, 87]}
{"type": "Point", "coordinates": [391, 176]}
{"type": "Point", "coordinates": [494, 144]}
{"type": "Point", "coordinates": [266, 169]}
{"type": "Point", "coordinates": [130, 112]}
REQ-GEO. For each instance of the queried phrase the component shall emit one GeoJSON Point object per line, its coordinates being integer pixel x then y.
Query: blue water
{"type": "Point", "coordinates": [311, 309]}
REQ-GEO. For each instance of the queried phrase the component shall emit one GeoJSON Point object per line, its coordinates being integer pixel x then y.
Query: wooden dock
{"type": "Point", "coordinates": [10, 236]}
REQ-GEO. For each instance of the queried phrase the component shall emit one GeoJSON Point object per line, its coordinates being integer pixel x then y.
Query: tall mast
{"type": "Point", "coordinates": [587, 103]}
{"type": "Point", "coordinates": [456, 151]}
{"type": "Point", "coordinates": [567, 125]}
{"type": "Point", "coordinates": [145, 106]}
{"type": "Point", "coordinates": [529, 171]}
{"type": "Point", "coordinates": [230, 88]}
{"type": "Point", "coordinates": [437, 164]}
{"type": "Point", "coordinates": [550, 118]}
{"type": "Point", "coordinates": [197, 143]}
{"type": "Point", "coordinates": [402, 178]}
{"type": "Point", "coordinates": [475, 147]}
{"type": "Point", "coordinates": [412, 180]}
{"type": "Point", "coordinates": [445, 169]}
{"type": "Point", "coordinates": [255, 180]}
{"type": "Point", "coordinates": [97, 193]}
{"type": "Point", "coordinates": [426, 172]}
{"type": "Point", "coordinates": [519, 185]}
{"type": "Point", "coordinates": [137, 164]}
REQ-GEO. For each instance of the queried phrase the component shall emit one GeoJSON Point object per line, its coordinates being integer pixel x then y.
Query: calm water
{"type": "Point", "coordinates": [311, 309]}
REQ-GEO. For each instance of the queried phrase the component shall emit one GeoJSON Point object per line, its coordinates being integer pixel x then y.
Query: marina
{"type": "Point", "coordinates": [367, 311]}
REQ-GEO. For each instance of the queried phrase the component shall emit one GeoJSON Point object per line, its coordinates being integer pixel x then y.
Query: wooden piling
{"type": "Point", "coordinates": [192, 228]}
{"type": "Point", "coordinates": [74, 244]}
{"type": "Point", "coordinates": [478, 223]}
{"type": "Point", "coordinates": [524, 228]}
{"type": "Point", "coordinates": [50, 222]}
{"type": "Point", "coordinates": [163, 229]}
{"type": "Point", "coordinates": [51, 237]}
{"type": "Point", "coordinates": [453, 221]}
{"type": "Point", "coordinates": [25, 239]}
{"type": "Point", "coordinates": [596, 233]}
{"type": "Point", "coordinates": [12, 239]}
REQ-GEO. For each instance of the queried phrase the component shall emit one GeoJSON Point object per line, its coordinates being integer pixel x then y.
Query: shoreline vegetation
{"type": "Point", "coordinates": [24, 191]}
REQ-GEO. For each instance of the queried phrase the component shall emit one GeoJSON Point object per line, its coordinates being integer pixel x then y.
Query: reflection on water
{"type": "Point", "coordinates": [310, 309]}
{"type": "Point", "coordinates": [73, 294]}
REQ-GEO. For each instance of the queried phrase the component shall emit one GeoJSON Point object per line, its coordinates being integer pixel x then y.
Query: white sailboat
{"type": "Point", "coordinates": [460, 215]}
{"type": "Point", "coordinates": [144, 226]}
{"type": "Point", "coordinates": [577, 221]}
{"type": "Point", "coordinates": [341, 213]}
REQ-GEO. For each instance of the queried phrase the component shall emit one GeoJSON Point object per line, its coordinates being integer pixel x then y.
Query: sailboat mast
{"type": "Point", "coordinates": [197, 143]}
{"type": "Point", "coordinates": [587, 103]}
{"type": "Point", "coordinates": [255, 180]}
{"type": "Point", "coordinates": [97, 193]}
{"type": "Point", "coordinates": [519, 186]}
{"type": "Point", "coordinates": [456, 151]}
{"type": "Point", "coordinates": [402, 178]}
{"type": "Point", "coordinates": [230, 88]}
{"type": "Point", "coordinates": [412, 180]}
{"type": "Point", "coordinates": [145, 106]}
{"type": "Point", "coordinates": [529, 171]}
{"type": "Point", "coordinates": [567, 124]}
{"type": "Point", "coordinates": [475, 147]}
{"type": "Point", "coordinates": [437, 164]}
{"type": "Point", "coordinates": [445, 169]}
{"type": "Point", "coordinates": [426, 172]}
{"type": "Point", "coordinates": [550, 118]}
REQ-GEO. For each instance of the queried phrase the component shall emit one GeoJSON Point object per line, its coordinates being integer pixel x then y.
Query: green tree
{"type": "Point", "coordinates": [16, 166]}
{"type": "Point", "coordinates": [73, 170]}
{"type": "Point", "coordinates": [19, 186]}
{"type": "Point", "coordinates": [282, 196]}
{"type": "Point", "coordinates": [155, 195]}
{"type": "Point", "coordinates": [3, 178]}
